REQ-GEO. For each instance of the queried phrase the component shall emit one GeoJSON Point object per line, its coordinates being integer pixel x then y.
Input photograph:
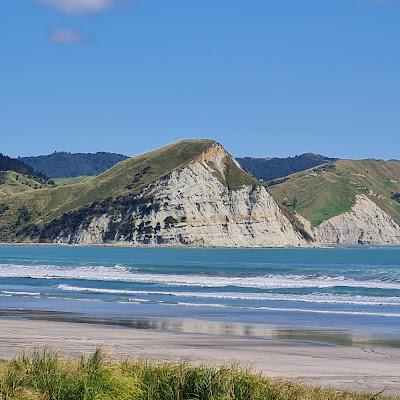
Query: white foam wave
{"type": "Point", "coordinates": [334, 312]}
{"type": "Point", "coordinates": [15, 293]}
{"type": "Point", "coordinates": [118, 273]}
{"type": "Point", "coordinates": [309, 298]}
{"type": "Point", "coordinates": [301, 310]}
{"type": "Point", "coordinates": [212, 305]}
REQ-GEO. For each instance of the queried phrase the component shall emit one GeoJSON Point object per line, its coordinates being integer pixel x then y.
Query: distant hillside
{"type": "Point", "coordinates": [273, 168]}
{"type": "Point", "coordinates": [331, 190]}
{"type": "Point", "coordinates": [17, 177]}
{"type": "Point", "coordinates": [11, 164]}
{"type": "Point", "coordinates": [71, 165]}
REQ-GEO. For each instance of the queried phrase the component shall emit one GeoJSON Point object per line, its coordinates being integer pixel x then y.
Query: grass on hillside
{"type": "Point", "coordinates": [330, 190]}
{"type": "Point", "coordinates": [12, 183]}
{"type": "Point", "coordinates": [128, 176]}
{"type": "Point", "coordinates": [71, 181]}
{"type": "Point", "coordinates": [45, 376]}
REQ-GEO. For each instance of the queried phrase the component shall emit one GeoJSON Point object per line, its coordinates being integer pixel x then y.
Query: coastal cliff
{"type": "Point", "coordinates": [193, 206]}
{"type": "Point", "coordinates": [194, 193]}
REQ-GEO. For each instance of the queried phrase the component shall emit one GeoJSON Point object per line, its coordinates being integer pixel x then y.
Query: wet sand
{"type": "Point", "coordinates": [363, 368]}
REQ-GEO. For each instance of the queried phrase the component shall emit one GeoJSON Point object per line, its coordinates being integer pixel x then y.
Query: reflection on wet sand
{"type": "Point", "coordinates": [329, 337]}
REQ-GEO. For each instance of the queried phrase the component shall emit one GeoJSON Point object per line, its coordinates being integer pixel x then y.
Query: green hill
{"type": "Point", "coordinates": [12, 164]}
{"type": "Point", "coordinates": [329, 190]}
{"type": "Point", "coordinates": [272, 168]}
{"type": "Point", "coordinates": [28, 213]}
{"type": "Point", "coordinates": [12, 182]}
{"type": "Point", "coordinates": [71, 165]}
{"type": "Point", "coordinates": [17, 177]}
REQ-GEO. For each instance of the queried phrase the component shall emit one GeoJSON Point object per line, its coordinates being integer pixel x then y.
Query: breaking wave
{"type": "Point", "coordinates": [309, 298]}
{"type": "Point", "coordinates": [123, 274]}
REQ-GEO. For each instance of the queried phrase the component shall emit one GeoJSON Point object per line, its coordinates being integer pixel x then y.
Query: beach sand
{"type": "Point", "coordinates": [362, 368]}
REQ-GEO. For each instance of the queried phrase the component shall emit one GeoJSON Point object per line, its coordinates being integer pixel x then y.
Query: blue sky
{"type": "Point", "coordinates": [263, 77]}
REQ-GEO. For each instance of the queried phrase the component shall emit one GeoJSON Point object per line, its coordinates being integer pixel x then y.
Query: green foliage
{"type": "Point", "coordinates": [170, 221]}
{"type": "Point", "coordinates": [45, 376]}
{"type": "Point", "coordinates": [3, 208]}
{"type": "Point", "coordinates": [71, 181]}
{"type": "Point", "coordinates": [272, 168]}
{"type": "Point", "coordinates": [329, 190]}
{"type": "Point", "coordinates": [71, 165]}
{"type": "Point", "coordinates": [12, 183]}
{"type": "Point", "coordinates": [396, 197]}
{"type": "Point", "coordinates": [12, 164]}
{"type": "Point", "coordinates": [52, 378]}
{"type": "Point", "coordinates": [235, 177]}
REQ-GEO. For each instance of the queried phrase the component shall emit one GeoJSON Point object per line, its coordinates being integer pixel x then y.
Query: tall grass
{"type": "Point", "coordinates": [45, 376]}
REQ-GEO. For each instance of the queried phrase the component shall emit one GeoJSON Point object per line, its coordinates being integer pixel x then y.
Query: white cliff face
{"type": "Point", "coordinates": [93, 233]}
{"type": "Point", "coordinates": [365, 223]}
{"type": "Point", "coordinates": [195, 209]}
{"type": "Point", "coordinates": [208, 214]}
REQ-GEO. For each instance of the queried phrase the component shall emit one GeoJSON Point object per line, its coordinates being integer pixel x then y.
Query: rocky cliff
{"type": "Point", "coordinates": [365, 223]}
{"type": "Point", "coordinates": [193, 193]}
{"type": "Point", "coordinates": [192, 206]}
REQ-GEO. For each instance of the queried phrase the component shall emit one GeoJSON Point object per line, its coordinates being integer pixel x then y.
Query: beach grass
{"type": "Point", "coordinates": [46, 376]}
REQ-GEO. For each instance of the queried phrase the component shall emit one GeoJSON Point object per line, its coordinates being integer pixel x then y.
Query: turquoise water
{"type": "Point", "coordinates": [345, 289]}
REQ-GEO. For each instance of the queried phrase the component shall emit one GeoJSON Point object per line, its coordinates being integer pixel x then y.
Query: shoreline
{"type": "Point", "coordinates": [163, 246]}
{"type": "Point", "coordinates": [359, 368]}
{"type": "Point", "coordinates": [319, 336]}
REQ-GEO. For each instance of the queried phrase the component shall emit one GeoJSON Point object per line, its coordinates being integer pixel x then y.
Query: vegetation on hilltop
{"type": "Point", "coordinates": [45, 376]}
{"type": "Point", "coordinates": [272, 168]}
{"type": "Point", "coordinates": [13, 183]}
{"type": "Point", "coordinates": [329, 190]}
{"type": "Point", "coordinates": [72, 165]}
{"type": "Point", "coordinates": [234, 176]}
{"type": "Point", "coordinates": [71, 181]}
{"type": "Point", "coordinates": [11, 164]}
{"type": "Point", "coordinates": [17, 177]}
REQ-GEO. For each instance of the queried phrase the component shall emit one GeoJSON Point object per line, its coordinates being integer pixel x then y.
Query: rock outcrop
{"type": "Point", "coordinates": [192, 206]}
{"type": "Point", "coordinates": [192, 193]}
{"type": "Point", "coordinates": [364, 224]}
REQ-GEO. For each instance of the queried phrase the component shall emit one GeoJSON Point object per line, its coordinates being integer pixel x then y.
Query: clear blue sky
{"type": "Point", "coordinates": [264, 77]}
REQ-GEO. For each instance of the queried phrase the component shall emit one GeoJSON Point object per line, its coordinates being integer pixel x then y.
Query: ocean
{"type": "Point", "coordinates": [349, 295]}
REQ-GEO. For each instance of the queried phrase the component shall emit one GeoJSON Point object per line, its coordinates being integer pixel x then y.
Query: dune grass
{"type": "Point", "coordinates": [46, 376]}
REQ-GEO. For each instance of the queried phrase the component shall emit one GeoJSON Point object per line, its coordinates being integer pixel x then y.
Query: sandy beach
{"type": "Point", "coordinates": [366, 368]}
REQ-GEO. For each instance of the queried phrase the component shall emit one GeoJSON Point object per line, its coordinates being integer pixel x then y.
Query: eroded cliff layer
{"type": "Point", "coordinates": [197, 205]}
{"type": "Point", "coordinates": [194, 193]}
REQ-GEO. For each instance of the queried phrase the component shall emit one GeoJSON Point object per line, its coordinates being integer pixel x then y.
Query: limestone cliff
{"type": "Point", "coordinates": [194, 193]}
{"type": "Point", "coordinates": [193, 206]}
{"type": "Point", "coordinates": [365, 223]}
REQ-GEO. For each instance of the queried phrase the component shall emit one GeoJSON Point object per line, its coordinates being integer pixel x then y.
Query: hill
{"type": "Point", "coordinates": [272, 168]}
{"type": "Point", "coordinates": [12, 164]}
{"type": "Point", "coordinates": [194, 193]}
{"type": "Point", "coordinates": [12, 183]}
{"type": "Point", "coordinates": [347, 192]}
{"type": "Point", "coordinates": [191, 192]}
{"type": "Point", "coordinates": [17, 177]}
{"type": "Point", "coordinates": [71, 165]}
